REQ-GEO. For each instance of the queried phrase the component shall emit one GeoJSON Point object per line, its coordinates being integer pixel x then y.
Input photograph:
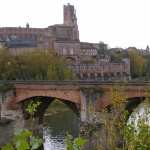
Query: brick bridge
{"type": "Point", "coordinates": [76, 94]}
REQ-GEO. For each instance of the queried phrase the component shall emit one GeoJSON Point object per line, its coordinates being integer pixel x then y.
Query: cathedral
{"type": "Point", "coordinates": [82, 57]}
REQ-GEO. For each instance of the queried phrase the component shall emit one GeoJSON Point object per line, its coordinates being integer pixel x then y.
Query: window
{"type": "Point", "coordinates": [92, 76]}
{"type": "Point", "coordinates": [112, 74]}
{"type": "Point", "coordinates": [85, 76]}
{"type": "Point", "coordinates": [64, 51]}
{"type": "Point", "coordinates": [71, 51]}
{"type": "Point", "coordinates": [118, 74]}
{"type": "Point", "coordinates": [99, 75]}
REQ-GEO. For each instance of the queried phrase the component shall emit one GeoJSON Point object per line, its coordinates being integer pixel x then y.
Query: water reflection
{"type": "Point", "coordinates": [53, 142]}
{"type": "Point", "coordinates": [58, 121]}
{"type": "Point", "coordinates": [142, 112]}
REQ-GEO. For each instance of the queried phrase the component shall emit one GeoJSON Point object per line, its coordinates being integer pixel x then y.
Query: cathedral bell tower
{"type": "Point", "coordinates": [70, 19]}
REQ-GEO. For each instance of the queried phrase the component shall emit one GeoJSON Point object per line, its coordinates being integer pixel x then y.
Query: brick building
{"type": "Point", "coordinates": [64, 39]}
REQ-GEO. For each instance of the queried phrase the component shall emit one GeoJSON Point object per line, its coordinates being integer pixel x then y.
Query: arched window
{"type": "Point", "coordinates": [85, 76]}
{"type": "Point", "coordinates": [92, 76]}
{"type": "Point", "coordinates": [99, 75]}
{"type": "Point", "coordinates": [64, 51]}
{"type": "Point", "coordinates": [118, 74]}
{"type": "Point", "coordinates": [71, 51]}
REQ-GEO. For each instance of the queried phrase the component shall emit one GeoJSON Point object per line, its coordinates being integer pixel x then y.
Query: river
{"type": "Point", "coordinates": [142, 112]}
{"type": "Point", "coordinates": [58, 121]}
{"type": "Point", "coordinates": [57, 124]}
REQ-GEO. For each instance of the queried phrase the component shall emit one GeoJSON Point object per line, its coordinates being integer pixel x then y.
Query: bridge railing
{"type": "Point", "coordinates": [72, 82]}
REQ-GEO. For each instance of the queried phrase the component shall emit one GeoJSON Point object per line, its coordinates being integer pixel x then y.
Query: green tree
{"type": "Point", "coordinates": [24, 139]}
{"type": "Point", "coordinates": [74, 144]}
{"type": "Point", "coordinates": [116, 56]}
{"type": "Point", "coordinates": [58, 71]}
{"type": "Point", "coordinates": [36, 65]}
{"type": "Point", "coordinates": [147, 67]}
{"type": "Point", "coordinates": [137, 63]}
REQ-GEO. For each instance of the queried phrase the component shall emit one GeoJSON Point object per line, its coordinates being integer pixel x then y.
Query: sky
{"type": "Point", "coordinates": [119, 23]}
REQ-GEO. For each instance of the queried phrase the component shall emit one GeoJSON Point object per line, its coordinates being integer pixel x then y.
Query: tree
{"type": "Point", "coordinates": [102, 49]}
{"type": "Point", "coordinates": [25, 139]}
{"type": "Point", "coordinates": [137, 63]}
{"type": "Point", "coordinates": [36, 65]}
{"type": "Point", "coordinates": [116, 56]}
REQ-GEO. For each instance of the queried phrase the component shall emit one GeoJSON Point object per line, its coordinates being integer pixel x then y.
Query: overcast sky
{"type": "Point", "coordinates": [119, 23]}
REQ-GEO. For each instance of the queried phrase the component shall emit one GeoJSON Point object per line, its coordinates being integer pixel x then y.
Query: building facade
{"type": "Point", "coordinates": [64, 39]}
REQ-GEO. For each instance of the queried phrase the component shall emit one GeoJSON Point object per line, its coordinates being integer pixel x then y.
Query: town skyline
{"type": "Point", "coordinates": [117, 28]}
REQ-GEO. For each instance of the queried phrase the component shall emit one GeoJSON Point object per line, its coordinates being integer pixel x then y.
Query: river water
{"type": "Point", "coordinates": [56, 125]}
{"type": "Point", "coordinates": [142, 112]}
{"type": "Point", "coordinates": [58, 121]}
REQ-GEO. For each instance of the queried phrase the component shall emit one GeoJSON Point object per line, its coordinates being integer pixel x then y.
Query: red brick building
{"type": "Point", "coordinates": [64, 39]}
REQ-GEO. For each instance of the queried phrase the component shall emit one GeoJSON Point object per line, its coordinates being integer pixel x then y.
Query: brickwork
{"type": "Point", "coordinates": [76, 94]}
{"type": "Point", "coordinates": [64, 39]}
{"type": "Point", "coordinates": [71, 91]}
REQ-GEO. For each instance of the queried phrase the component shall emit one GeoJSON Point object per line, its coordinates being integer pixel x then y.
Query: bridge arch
{"type": "Point", "coordinates": [45, 102]}
{"type": "Point", "coordinates": [68, 95]}
{"type": "Point", "coordinates": [70, 60]}
{"type": "Point", "coordinates": [72, 92]}
{"type": "Point", "coordinates": [140, 113]}
{"type": "Point", "coordinates": [129, 104]}
{"type": "Point", "coordinates": [133, 103]}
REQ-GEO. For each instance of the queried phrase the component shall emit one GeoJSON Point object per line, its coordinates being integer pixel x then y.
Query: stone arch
{"type": "Point", "coordinates": [85, 76]}
{"type": "Point", "coordinates": [92, 76]}
{"type": "Point", "coordinates": [132, 103]}
{"type": "Point", "coordinates": [106, 76]}
{"type": "Point", "coordinates": [71, 60]}
{"type": "Point", "coordinates": [60, 93]}
{"type": "Point", "coordinates": [129, 105]}
{"type": "Point", "coordinates": [44, 104]}
{"type": "Point", "coordinates": [99, 75]}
